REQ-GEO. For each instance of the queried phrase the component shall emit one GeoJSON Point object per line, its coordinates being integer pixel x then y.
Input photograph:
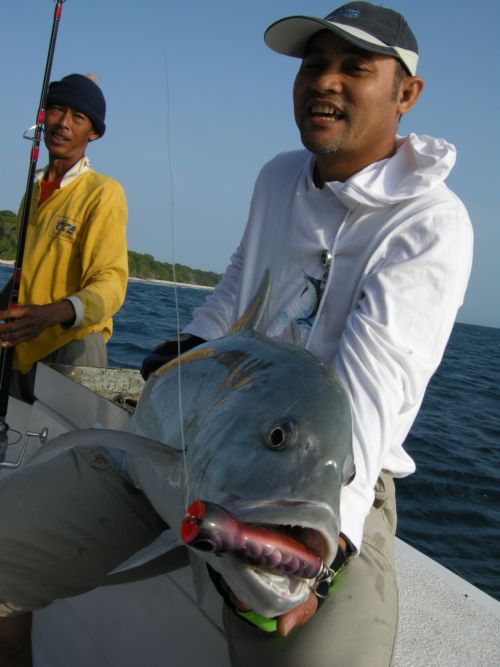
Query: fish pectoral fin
{"type": "Point", "coordinates": [165, 554]}
{"type": "Point", "coordinates": [165, 542]}
{"type": "Point", "coordinates": [107, 438]}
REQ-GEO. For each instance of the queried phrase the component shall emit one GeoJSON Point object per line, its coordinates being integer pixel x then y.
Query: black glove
{"type": "Point", "coordinates": [165, 352]}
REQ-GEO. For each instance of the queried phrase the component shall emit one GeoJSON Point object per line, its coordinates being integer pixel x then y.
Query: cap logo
{"type": "Point", "coordinates": [344, 12]}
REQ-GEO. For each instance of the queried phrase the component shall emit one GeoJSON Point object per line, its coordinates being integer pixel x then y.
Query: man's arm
{"type": "Point", "coordinates": [104, 261]}
{"type": "Point", "coordinates": [104, 273]}
{"type": "Point", "coordinates": [393, 342]}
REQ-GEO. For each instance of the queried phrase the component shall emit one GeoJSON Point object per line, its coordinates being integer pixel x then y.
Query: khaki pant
{"type": "Point", "coordinates": [68, 522]}
{"type": "Point", "coordinates": [65, 525]}
{"type": "Point", "coordinates": [91, 351]}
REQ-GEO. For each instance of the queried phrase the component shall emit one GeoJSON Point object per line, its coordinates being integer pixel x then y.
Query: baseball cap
{"type": "Point", "coordinates": [368, 26]}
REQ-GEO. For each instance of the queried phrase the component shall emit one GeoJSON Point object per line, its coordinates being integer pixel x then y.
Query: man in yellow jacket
{"type": "Point", "coordinates": [75, 266]}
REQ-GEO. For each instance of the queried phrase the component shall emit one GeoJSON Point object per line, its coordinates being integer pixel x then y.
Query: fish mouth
{"type": "Point", "coordinates": [314, 525]}
{"type": "Point", "coordinates": [311, 538]}
{"type": "Point", "coordinates": [266, 593]}
{"type": "Point", "coordinates": [267, 590]}
{"type": "Point", "coordinates": [269, 554]}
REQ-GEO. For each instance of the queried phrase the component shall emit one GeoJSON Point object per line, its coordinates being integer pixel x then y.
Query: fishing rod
{"type": "Point", "coordinates": [7, 353]}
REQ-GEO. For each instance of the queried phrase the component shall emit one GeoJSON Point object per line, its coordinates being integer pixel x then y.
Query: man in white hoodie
{"type": "Point", "coordinates": [369, 254]}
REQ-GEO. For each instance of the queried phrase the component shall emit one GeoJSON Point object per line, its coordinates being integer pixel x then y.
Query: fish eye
{"type": "Point", "coordinates": [280, 435]}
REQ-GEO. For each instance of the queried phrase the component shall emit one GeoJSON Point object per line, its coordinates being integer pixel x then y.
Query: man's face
{"type": "Point", "coordinates": [344, 102]}
{"type": "Point", "coordinates": [67, 132]}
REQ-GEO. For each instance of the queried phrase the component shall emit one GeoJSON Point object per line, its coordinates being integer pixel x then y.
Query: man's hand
{"type": "Point", "coordinates": [28, 322]}
{"type": "Point", "coordinates": [297, 616]}
{"type": "Point", "coordinates": [165, 352]}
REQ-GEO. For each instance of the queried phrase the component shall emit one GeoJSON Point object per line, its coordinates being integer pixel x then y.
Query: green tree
{"type": "Point", "coordinates": [145, 266]}
{"type": "Point", "coordinates": [8, 235]}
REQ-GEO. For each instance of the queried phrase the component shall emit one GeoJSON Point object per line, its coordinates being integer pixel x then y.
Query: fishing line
{"type": "Point", "coordinates": [173, 253]}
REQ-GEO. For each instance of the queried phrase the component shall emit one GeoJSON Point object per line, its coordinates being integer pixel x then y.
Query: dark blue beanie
{"type": "Point", "coordinates": [81, 93]}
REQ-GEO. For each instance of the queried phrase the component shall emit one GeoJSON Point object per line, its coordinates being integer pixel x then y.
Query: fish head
{"type": "Point", "coordinates": [275, 450]}
{"type": "Point", "coordinates": [267, 435]}
{"type": "Point", "coordinates": [265, 427]}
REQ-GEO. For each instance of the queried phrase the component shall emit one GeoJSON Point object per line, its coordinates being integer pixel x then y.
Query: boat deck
{"type": "Point", "coordinates": [444, 622]}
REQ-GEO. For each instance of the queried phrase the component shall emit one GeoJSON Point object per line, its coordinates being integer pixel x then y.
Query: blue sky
{"type": "Point", "coordinates": [197, 103]}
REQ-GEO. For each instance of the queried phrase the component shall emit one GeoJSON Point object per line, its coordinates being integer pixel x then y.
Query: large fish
{"type": "Point", "coordinates": [255, 425]}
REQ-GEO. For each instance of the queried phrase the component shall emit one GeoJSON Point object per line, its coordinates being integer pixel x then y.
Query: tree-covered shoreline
{"type": "Point", "coordinates": [142, 266]}
{"type": "Point", "coordinates": [8, 236]}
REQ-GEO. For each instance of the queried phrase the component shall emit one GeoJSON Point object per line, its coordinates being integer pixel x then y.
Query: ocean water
{"type": "Point", "coordinates": [450, 508]}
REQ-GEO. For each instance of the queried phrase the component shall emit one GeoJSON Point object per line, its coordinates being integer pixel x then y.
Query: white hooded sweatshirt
{"type": "Point", "coordinates": [401, 246]}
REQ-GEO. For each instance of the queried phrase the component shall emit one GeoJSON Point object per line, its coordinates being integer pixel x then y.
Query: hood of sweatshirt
{"type": "Point", "coordinates": [420, 164]}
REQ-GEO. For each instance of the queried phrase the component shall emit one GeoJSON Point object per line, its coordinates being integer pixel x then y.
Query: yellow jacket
{"type": "Point", "coordinates": [75, 247]}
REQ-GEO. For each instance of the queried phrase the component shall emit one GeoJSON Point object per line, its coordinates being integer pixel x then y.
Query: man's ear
{"type": "Point", "coordinates": [93, 135]}
{"type": "Point", "coordinates": [409, 92]}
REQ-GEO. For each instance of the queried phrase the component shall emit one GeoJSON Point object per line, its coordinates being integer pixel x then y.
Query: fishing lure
{"type": "Point", "coordinates": [211, 528]}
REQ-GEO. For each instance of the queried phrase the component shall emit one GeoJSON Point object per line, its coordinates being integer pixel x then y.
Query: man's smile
{"type": "Point", "coordinates": [324, 110]}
